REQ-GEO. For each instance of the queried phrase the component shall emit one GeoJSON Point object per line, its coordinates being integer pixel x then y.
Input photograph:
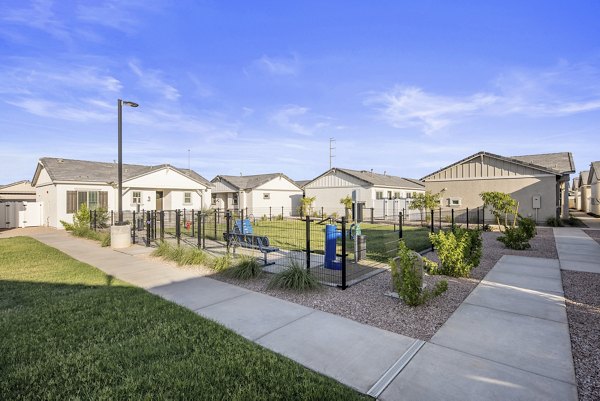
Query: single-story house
{"type": "Point", "coordinates": [63, 185]}
{"type": "Point", "coordinates": [20, 191]}
{"type": "Point", "coordinates": [573, 193]}
{"type": "Point", "coordinates": [584, 192]}
{"type": "Point", "coordinates": [386, 194]}
{"type": "Point", "coordinates": [594, 183]}
{"type": "Point", "coordinates": [259, 194]}
{"type": "Point", "coordinates": [540, 183]}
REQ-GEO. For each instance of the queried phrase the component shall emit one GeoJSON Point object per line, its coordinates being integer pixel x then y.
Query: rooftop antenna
{"type": "Point", "coordinates": [331, 149]}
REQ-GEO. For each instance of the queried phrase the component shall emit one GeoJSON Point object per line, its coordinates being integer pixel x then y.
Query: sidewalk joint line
{"type": "Point", "coordinates": [517, 313]}
{"type": "Point", "coordinates": [287, 324]}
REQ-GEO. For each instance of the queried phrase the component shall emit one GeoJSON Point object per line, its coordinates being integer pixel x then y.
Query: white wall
{"type": "Point", "coordinates": [595, 197]}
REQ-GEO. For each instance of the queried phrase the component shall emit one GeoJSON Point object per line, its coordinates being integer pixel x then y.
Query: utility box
{"type": "Point", "coordinates": [537, 201]}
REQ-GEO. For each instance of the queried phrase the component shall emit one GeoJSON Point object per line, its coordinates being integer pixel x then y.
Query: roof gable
{"type": "Point", "coordinates": [510, 165]}
{"type": "Point", "coordinates": [584, 177]}
{"type": "Point", "coordinates": [374, 179]}
{"type": "Point", "coordinates": [249, 182]}
{"type": "Point", "coordinates": [594, 172]}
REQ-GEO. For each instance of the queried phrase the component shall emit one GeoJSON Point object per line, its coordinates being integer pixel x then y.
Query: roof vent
{"type": "Point", "coordinates": [61, 161]}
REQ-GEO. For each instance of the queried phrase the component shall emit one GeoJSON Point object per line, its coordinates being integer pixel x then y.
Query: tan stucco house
{"type": "Point", "coordinates": [385, 194]}
{"type": "Point", "coordinates": [540, 183]}
{"type": "Point", "coordinates": [20, 191]}
{"type": "Point", "coordinates": [258, 194]}
{"type": "Point", "coordinates": [594, 185]}
{"type": "Point", "coordinates": [62, 185]}
{"type": "Point", "coordinates": [584, 193]}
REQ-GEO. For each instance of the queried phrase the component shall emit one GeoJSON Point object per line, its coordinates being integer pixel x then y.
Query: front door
{"type": "Point", "coordinates": [159, 200]}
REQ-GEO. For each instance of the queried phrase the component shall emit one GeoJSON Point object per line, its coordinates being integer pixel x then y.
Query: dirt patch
{"type": "Point", "coordinates": [582, 296]}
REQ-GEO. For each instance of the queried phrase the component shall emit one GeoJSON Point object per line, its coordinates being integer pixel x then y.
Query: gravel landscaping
{"type": "Point", "coordinates": [595, 234]}
{"type": "Point", "coordinates": [365, 302]}
{"type": "Point", "coordinates": [582, 295]}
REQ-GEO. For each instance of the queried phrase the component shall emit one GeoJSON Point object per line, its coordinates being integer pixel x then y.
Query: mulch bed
{"type": "Point", "coordinates": [582, 296]}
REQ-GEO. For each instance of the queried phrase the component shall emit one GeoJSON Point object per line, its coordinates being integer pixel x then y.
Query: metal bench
{"type": "Point", "coordinates": [244, 237]}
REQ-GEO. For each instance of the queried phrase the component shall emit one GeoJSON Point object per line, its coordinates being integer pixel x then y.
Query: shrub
{"type": "Point", "coordinates": [554, 222]}
{"type": "Point", "coordinates": [430, 266]}
{"type": "Point", "coordinates": [221, 263]}
{"type": "Point", "coordinates": [106, 240]}
{"type": "Point", "coordinates": [515, 238]}
{"type": "Point", "coordinates": [474, 245]}
{"type": "Point", "coordinates": [408, 279]}
{"type": "Point", "coordinates": [527, 225]}
{"type": "Point", "coordinates": [164, 248]}
{"type": "Point", "coordinates": [193, 256]}
{"type": "Point", "coordinates": [296, 278]}
{"type": "Point", "coordinates": [246, 268]}
{"type": "Point", "coordinates": [453, 251]}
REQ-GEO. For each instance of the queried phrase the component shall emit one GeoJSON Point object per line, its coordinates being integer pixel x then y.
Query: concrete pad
{"type": "Point", "coordinates": [588, 257]}
{"type": "Point", "coordinates": [352, 353]}
{"type": "Point", "coordinates": [529, 270]}
{"type": "Point", "coordinates": [536, 283]}
{"type": "Point", "coordinates": [253, 315]}
{"type": "Point", "coordinates": [529, 261]}
{"type": "Point", "coordinates": [531, 344]}
{"type": "Point", "coordinates": [538, 304]}
{"type": "Point", "coordinates": [580, 266]}
{"type": "Point", "coordinates": [197, 292]}
{"type": "Point", "coordinates": [439, 373]}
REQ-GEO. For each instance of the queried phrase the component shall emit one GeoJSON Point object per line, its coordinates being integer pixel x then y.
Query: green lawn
{"type": "Point", "coordinates": [68, 331]}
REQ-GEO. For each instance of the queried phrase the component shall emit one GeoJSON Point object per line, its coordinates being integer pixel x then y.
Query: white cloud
{"type": "Point", "coordinates": [278, 65]}
{"type": "Point", "coordinates": [39, 16]}
{"type": "Point", "coordinates": [296, 119]}
{"type": "Point", "coordinates": [563, 90]}
{"type": "Point", "coordinates": [151, 80]}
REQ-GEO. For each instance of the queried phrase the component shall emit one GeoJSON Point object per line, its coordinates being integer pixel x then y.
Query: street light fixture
{"type": "Point", "coordinates": [120, 103]}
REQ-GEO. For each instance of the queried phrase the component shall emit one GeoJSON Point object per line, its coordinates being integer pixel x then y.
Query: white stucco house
{"type": "Point", "coordinates": [386, 194]}
{"type": "Point", "coordinates": [257, 194]}
{"type": "Point", "coordinates": [62, 185]}
{"type": "Point", "coordinates": [584, 192]}
{"type": "Point", "coordinates": [540, 183]}
{"type": "Point", "coordinates": [594, 184]}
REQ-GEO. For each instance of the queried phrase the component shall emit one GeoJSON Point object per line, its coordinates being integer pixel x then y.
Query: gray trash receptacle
{"type": "Point", "coordinates": [362, 247]}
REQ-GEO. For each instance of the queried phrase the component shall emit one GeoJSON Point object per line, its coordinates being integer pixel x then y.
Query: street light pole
{"type": "Point", "coordinates": [120, 104]}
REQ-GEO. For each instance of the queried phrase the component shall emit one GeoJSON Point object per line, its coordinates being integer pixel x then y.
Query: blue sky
{"type": "Point", "coordinates": [257, 87]}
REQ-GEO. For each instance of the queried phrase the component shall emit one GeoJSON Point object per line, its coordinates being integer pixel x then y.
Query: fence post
{"type": "Point", "coordinates": [148, 228]}
{"type": "Point", "coordinates": [184, 220]}
{"type": "Point", "coordinates": [372, 215]}
{"type": "Point", "coordinates": [270, 213]}
{"type": "Point", "coordinates": [162, 225]}
{"type": "Point", "coordinates": [112, 217]}
{"type": "Point", "coordinates": [322, 212]}
{"type": "Point", "coordinates": [216, 217]}
{"type": "Point", "coordinates": [203, 227]}
{"type": "Point", "coordinates": [308, 244]}
{"type": "Point", "coordinates": [228, 225]}
{"type": "Point", "coordinates": [452, 221]}
{"type": "Point", "coordinates": [483, 217]}
{"type": "Point", "coordinates": [198, 231]}
{"type": "Point", "coordinates": [344, 253]}
{"type": "Point", "coordinates": [242, 220]}
{"type": "Point", "coordinates": [432, 228]}
{"type": "Point", "coordinates": [178, 225]}
{"type": "Point", "coordinates": [134, 226]}
{"type": "Point", "coordinates": [440, 219]}
{"type": "Point", "coordinates": [467, 218]}
{"type": "Point", "coordinates": [400, 222]}
{"type": "Point", "coordinates": [193, 224]}
{"type": "Point", "coordinates": [478, 217]}
{"type": "Point", "coordinates": [281, 212]}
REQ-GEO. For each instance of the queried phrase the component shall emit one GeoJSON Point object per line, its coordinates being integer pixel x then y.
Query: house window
{"type": "Point", "coordinates": [454, 201]}
{"type": "Point", "coordinates": [389, 195]}
{"type": "Point", "coordinates": [213, 200]}
{"type": "Point", "coordinates": [187, 198]}
{"type": "Point", "coordinates": [409, 195]}
{"type": "Point", "coordinates": [92, 199]}
{"type": "Point", "coordinates": [397, 195]}
{"type": "Point", "coordinates": [379, 195]}
{"type": "Point", "coordinates": [267, 196]}
{"type": "Point", "coordinates": [235, 199]}
{"type": "Point", "coordinates": [136, 197]}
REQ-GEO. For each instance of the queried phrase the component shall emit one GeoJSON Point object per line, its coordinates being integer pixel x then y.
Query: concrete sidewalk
{"type": "Point", "coordinates": [363, 357]}
{"type": "Point", "coordinates": [509, 340]}
{"type": "Point", "coordinates": [577, 250]}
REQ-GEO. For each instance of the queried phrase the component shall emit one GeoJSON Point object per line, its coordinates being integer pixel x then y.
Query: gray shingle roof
{"type": "Point", "coordinates": [595, 167]}
{"type": "Point", "coordinates": [383, 180]}
{"type": "Point", "coordinates": [84, 170]}
{"type": "Point", "coordinates": [561, 162]}
{"type": "Point", "coordinates": [12, 184]}
{"type": "Point", "coordinates": [302, 183]}
{"type": "Point", "coordinates": [244, 182]}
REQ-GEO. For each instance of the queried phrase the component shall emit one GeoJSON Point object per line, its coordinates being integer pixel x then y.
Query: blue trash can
{"type": "Point", "coordinates": [331, 236]}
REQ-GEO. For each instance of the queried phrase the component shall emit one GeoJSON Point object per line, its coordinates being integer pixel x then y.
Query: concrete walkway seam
{"type": "Point", "coordinates": [395, 369]}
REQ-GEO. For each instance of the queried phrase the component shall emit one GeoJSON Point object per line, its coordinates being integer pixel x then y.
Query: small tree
{"type": "Point", "coordinates": [502, 204]}
{"type": "Point", "coordinates": [424, 201]}
{"type": "Point", "coordinates": [306, 205]}
{"type": "Point", "coordinates": [347, 202]}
